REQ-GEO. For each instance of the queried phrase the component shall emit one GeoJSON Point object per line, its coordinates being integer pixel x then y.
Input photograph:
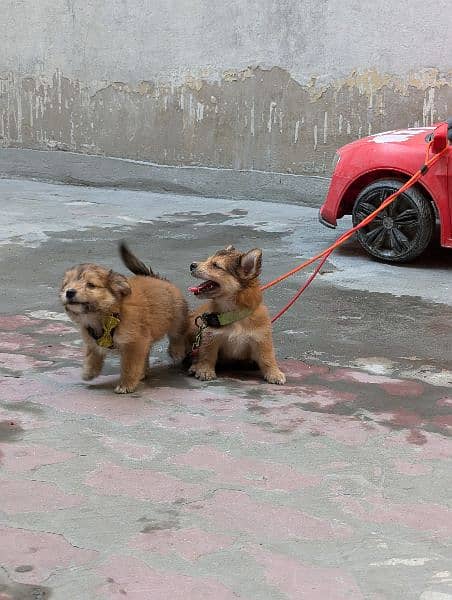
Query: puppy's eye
{"type": "Point", "coordinates": [90, 285]}
{"type": "Point", "coordinates": [216, 265]}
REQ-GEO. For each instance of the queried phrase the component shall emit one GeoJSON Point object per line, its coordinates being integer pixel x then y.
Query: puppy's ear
{"type": "Point", "coordinates": [251, 263]}
{"type": "Point", "coordinates": [118, 284]}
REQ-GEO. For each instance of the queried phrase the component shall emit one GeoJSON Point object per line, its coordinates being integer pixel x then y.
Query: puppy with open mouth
{"type": "Point", "coordinates": [234, 324]}
{"type": "Point", "coordinates": [114, 312]}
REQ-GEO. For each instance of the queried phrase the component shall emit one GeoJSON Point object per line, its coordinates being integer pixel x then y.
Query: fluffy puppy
{"type": "Point", "coordinates": [129, 315]}
{"type": "Point", "coordinates": [238, 325]}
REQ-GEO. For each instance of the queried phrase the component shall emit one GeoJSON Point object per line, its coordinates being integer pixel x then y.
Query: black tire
{"type": "Point", "coordinates": [402, 231]}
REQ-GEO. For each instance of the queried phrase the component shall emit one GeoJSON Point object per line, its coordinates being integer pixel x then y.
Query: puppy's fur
{"type": "Point", "coordinates": [230, 283]}
{"type": "Point", "coordinates": [148, 307]}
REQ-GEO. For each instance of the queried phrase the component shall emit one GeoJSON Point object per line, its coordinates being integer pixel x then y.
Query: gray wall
{"type": "Point", "coordinates": [243, 84]}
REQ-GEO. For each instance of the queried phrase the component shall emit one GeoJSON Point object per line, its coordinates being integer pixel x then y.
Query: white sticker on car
{"type": "Point", "coordinates": [400, 135]}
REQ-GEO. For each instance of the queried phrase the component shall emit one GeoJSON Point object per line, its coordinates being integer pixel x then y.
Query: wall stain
{"type": "Point", "coordinates": [252, 119]}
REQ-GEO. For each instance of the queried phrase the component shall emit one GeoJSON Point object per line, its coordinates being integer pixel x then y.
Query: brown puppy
{"type": "Point", "coordinates": [126, 314]}
{"type": "Point", "coordinates": [231, 285]}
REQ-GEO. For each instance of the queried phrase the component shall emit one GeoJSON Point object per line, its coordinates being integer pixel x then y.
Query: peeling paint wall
{"type": "Point", "coordinates": [168, 82]}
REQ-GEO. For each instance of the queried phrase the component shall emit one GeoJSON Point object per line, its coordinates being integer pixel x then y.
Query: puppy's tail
{"type": "Point", "coordinates": [133, 263]}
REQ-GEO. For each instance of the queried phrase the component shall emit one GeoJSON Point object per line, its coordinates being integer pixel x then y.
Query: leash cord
{"type": "Point", "coordinates": [348, 234]}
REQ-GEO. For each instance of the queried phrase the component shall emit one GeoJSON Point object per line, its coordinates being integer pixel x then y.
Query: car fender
{"type": "Point", "coordinates": [345, 190]}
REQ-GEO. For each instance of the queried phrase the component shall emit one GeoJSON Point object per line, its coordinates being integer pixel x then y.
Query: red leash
{"type": "Point", "coordinates": [303, 287]}
{"type": "Point", "coordinates": [348, 234]}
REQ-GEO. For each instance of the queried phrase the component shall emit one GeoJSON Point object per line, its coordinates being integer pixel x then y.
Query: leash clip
{"type": "Point", "coordinates": [201, 325]}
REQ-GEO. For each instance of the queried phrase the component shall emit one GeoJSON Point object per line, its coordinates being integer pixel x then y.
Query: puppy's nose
{"type": "Point", "coordinates": [193, 266]}
{"type": "Point", "coordinates": [70, 294]}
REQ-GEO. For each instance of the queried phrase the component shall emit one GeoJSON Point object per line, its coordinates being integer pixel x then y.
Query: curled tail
{"type": "Point", "coordinates": [133, 263]}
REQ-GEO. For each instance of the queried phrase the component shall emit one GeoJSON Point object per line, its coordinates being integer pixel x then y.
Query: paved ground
{"type": "Point", "coordinates": [335, 487]}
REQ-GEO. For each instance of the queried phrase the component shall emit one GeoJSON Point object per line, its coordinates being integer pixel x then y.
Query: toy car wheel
{"type": "Point", "coordinates": [402, 231]}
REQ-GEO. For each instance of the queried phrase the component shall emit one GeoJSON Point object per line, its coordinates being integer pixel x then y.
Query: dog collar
{"type": "Point", "coordinates": [215, 320]}
{"type": "Point", "coordinates": [227, 318]}
{"type": "Point", "coordinates": [109, 324]}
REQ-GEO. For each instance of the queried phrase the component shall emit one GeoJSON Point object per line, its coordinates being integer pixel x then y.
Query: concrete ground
{"type": "Point", "coordinates": [334, 487]}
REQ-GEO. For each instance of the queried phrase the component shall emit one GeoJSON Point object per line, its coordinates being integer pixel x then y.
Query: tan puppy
{"type": "Point", "coordinates": [125, 314]}
{"type": "Point", "coordinates": [240, 327]}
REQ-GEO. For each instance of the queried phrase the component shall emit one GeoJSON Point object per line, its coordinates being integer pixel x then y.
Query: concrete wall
{"type": "Point", "coordinates": [244, 84]}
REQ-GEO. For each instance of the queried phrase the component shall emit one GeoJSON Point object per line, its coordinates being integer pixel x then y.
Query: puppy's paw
{"type": "Point", "coordinates": [203, 373]}
{"type": "Point", "coordinates": [146, 374]}
{"type": "Point", "coordinates": [89, 375]}
{"type": "Point", "coordinates": [276, 376]}
{"type": "Point", "coordinates": [177, 356]}
{"type": "Point", "coordinates": [177, 352]}
{"type": "Point", "coordinates": [124, 388]}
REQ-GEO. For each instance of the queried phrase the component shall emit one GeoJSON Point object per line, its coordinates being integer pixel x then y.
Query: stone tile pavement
{"type": "Point", "coordinates": [333, 487]}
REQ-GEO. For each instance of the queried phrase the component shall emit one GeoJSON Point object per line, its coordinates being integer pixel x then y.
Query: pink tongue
{"type": "Point", "coordinates": [205, 285]}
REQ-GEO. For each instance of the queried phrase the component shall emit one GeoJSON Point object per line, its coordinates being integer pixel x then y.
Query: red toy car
{"type": "Point", "coordinates": [370, 169]}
